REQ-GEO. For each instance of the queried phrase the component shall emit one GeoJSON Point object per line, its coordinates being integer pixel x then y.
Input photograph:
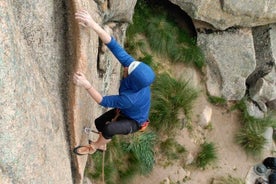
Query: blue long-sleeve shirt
{"type": "Point", "coordinates": [134, 93]}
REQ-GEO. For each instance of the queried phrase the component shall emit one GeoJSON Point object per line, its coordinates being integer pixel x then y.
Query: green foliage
{"type": "Point", "coordinates": [114, 162]}
{"type": "Point", "coordinates": [125, 158]}
{"type": "Point", "coordinates": [169, 97]}
{"type": "Point", "coordinates": [142, 12]}
{"type": "Point", "coordinates": [217, 100]}
{"type": "Point", "coordinates": [207, 155]}
{"type": "Point", "coordinates": [148, 60]}
{"type": "Point", "coordinates": [251, 139]}
{"type": "Point", "coordinates": [172, 149]}
{"type": "Point", "coordinates": [163, 35]}
{"type": "Point", "coordinates": [141, 146]}
{"type": "Point", "coordinates": [229, 180]}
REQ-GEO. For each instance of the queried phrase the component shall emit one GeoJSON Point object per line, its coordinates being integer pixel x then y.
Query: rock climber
{"type": "Point", "coordinates": [130, 108]}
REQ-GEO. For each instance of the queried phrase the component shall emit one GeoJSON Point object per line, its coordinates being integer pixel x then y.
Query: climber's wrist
{"type": "Point", "coordinates": [88, 87]}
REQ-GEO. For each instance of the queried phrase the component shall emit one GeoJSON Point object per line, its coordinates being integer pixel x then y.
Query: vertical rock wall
{"type": "Point", "coordinates": [91, 57]}
{"type": "Point", "coordinates": [42, 113]}
{"type": "Point", "coordinates": [33, 140]}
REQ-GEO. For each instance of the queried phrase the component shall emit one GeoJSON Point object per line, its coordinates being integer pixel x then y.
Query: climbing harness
{"type": "Point", "coordinates": [143, 126]}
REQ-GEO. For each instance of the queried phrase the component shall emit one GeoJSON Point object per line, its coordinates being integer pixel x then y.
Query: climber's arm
{"type": "Point", "coordinates": [86, 20]}
{"type": "Point", "coordinates": [80, 80]}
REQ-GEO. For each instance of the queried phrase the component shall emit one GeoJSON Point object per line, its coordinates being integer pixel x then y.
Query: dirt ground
{"type": "Point", "coordinates": [232, 159]}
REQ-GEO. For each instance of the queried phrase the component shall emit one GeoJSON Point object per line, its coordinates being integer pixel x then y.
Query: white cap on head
{"type": "Point", "coordinates": [132, 66]}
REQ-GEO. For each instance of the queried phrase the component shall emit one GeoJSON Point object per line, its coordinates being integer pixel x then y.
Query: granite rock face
{"type": "Point", "coordinates": [42, 113]}
{"type": "Point", "coordinates": [33, 139]}
{"type": "Point", "coordinates": [223, 14]}
{"type": "Point", "coordinates": [229, 62]}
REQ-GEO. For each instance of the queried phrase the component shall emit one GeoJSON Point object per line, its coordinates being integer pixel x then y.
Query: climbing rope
{"type": "Point", "coordinates": [103, 167]}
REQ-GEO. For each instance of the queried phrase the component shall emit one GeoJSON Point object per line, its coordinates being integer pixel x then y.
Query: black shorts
{"type": "Point", "coordinates": [123, 125]}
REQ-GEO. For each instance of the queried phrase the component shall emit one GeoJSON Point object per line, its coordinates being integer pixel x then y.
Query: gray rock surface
{"type": "Point", "coordinates": [230, 59]}
{"type": "Point", "coordinates": [33, 140]}
{"type": "Point", "coordinates": [230, 13]}
{"type": "Point", "coordinates": [215, 18]}
{"type": "Point", "coordinates": [263, 52]}
{"type": "Point", "coordinates": [263, 92]}
{"type": "Point", "coordinates": [42, 114]}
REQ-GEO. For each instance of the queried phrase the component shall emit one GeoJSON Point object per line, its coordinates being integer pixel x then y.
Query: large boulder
{"type": "Point", "coordinates": [263, 92]}
{"type": "Point", "coordinates": [230, 13]}
{"type": "Point", "coordinates": [263, 52]}
{"type": "Point", "coordinates": [262, 81]}
{"type": "Point", "coordinates": [230, 59]}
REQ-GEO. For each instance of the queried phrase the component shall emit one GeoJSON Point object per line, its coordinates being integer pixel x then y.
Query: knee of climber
{"type": "Point", "coordinates": [108, 132]}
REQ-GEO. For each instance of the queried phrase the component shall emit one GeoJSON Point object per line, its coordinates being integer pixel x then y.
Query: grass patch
{"type": "Point", "coordinates": [171, 149]}
{"type": "Point", "coordinates": [169, 97]}
{"type": "Point", "coordinates": [250, 136]}
{"type": "Point", "coordinates": [207, 155]}
{"type": "Point", "coordinates": [251, 139]}
{"type": "Point", "coordinates": [217, 100]}
{"type": "Point", "coordinates": [228, 180]}
{"type": "Point", "coordinates": [166, 38]}
{"type": "Point", "coordinates": [126, 157]}
{"type": "Point", "coordinates": [141, 146]}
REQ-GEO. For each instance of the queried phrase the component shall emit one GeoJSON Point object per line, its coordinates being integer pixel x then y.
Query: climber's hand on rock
{"type": "Point", "coordinates": [80, 80]}
{"type": "Point", "coordinates": [84, 18]}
